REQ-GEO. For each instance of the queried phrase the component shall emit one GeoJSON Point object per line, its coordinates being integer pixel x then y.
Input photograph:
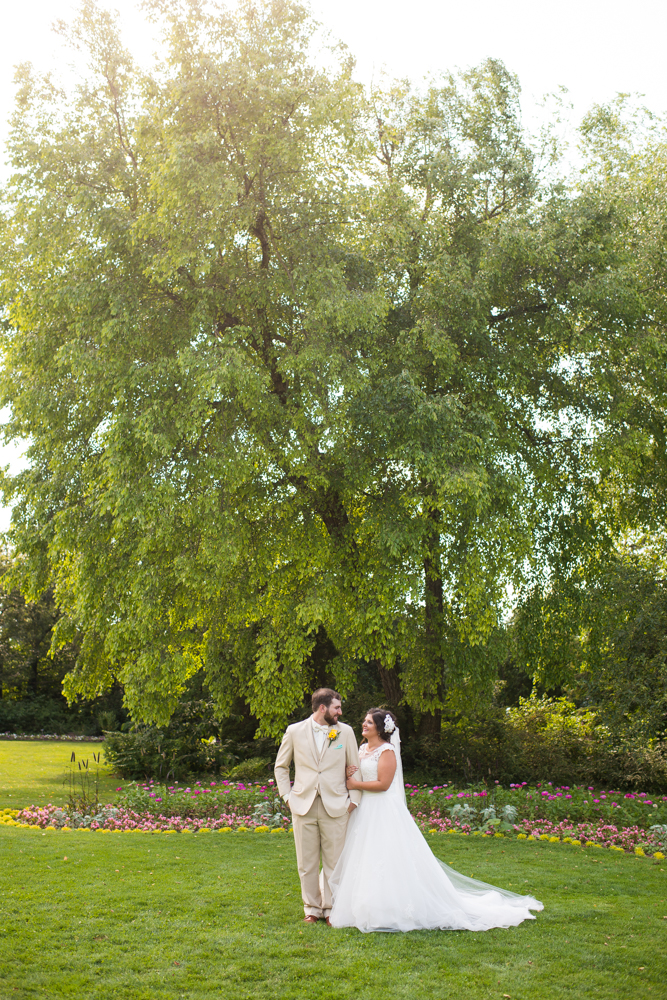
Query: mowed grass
{"type": "Point", "coordinates": [144, 917]}
{"type": "Point", "coordinates": [31, 773]}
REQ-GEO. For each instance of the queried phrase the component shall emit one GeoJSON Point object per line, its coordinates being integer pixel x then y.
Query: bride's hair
{"type": "Point", "coordinates": [379, 716]}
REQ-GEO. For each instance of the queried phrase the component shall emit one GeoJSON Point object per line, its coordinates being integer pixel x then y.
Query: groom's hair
{"type": "Point", "coordinates": [324, 696]}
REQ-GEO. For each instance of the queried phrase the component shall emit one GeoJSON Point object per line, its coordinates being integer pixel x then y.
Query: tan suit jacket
{"type": "Point", "coordinates": [313, 772]}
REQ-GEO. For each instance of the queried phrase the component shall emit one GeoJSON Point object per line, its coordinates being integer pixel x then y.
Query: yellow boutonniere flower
{"type": "Point", "coordinates": [331, 735]}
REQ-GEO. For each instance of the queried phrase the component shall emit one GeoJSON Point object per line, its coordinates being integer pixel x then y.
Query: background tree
{"type": "Point", "coordinates": [26, 669]}
{"type": "Point", "coordinates": [310, 377]}
{"type": "Point", "coordinates": [601, 635]}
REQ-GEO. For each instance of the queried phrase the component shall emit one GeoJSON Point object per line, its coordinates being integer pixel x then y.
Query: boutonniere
{"type": "Point", "coordinates": [332, 735]}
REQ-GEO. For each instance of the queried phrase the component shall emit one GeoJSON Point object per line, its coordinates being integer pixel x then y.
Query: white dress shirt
{"type": "Point", "coordinates": [320, 733]}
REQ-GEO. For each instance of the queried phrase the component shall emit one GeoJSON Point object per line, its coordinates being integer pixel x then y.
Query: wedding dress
{"type": "Point", "coordinates": [388, 879]}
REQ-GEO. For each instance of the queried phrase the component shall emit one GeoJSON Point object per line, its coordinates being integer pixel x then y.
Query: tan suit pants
{"type": "Point", "coordinates": [317, 835]}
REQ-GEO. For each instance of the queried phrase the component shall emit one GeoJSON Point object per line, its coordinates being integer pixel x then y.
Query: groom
{"type": "Point", "coordinates": [321, 748]}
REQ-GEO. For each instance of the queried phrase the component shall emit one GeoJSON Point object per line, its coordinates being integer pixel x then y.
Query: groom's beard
{"type": "Point", "coordinates": [329, 719]}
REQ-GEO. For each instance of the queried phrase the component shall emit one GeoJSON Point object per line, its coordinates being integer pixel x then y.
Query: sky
{"type": "Point", "coordinates": [595, 49]}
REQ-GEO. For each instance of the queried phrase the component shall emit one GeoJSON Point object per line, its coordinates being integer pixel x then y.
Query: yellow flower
{"type": "Point", "coordinates": [521, 836]}
{"type": "Point", "coordinates": [225, 829]}
{"type": "Point", "coordinates": [332, 734]}
{"type": "Point", "coordinates": [544, 836]}
{"type": "Point", "coordinates": [277, 829]}
{"type": "Point", "coordinates": [659, 856]}
{"type": "Point", "coordinates": [576, 843]}
{"type": "Point", "coordinates": [261, 829]}
{"type": "Point", "coordinates": [639, 852]}
{"type": "Point", "coordinates": [531, 837]}
{"type": "Point", "coordinates": [499, 835]}
{"type": "Point", "coordinates": [554, 840]}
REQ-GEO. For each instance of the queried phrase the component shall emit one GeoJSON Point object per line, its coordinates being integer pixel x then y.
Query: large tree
{"type": "Point", "coordinates": [303, 367]}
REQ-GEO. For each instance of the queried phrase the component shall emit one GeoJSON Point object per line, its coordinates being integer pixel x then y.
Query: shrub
{"type": "Point", "coordinates": [192, 743]}
{"type": "Point", "coordinates": [527, 747]}
{"type": "Point", "coordinates": [44, 714]}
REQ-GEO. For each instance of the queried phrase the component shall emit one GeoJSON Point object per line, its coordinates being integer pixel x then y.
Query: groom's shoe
{"type": "Point", "coordinates": [310, 920]}
{"type": "Point", "coordinates": [328, 922]}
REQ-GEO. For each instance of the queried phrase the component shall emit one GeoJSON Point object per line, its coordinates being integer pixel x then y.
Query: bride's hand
{"type": "Point", "coordinates": [350, 769]}
{"type": "Point", "coordinates": [352, 783]}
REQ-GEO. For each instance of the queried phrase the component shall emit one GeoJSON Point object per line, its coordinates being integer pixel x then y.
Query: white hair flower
{"type": "Point", "coordinates": [389, 724]}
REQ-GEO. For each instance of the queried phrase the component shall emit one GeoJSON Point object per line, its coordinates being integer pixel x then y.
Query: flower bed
{"type": "Point", "coordinates": [110, 819]}
{"type": "Point", "coordinates": [151, 808]}
{"type": "Point", "coordinates": [620, 821]}
{"type": "Point", "coordinates": [579, 804]}
{"type": "Point", "coordinates": [255, 802]}
{"type": "Point", "coordinates": [599, 835]}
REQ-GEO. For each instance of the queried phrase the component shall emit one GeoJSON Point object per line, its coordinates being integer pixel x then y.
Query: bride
{"type": "Point", "coordinates": [387, 878]}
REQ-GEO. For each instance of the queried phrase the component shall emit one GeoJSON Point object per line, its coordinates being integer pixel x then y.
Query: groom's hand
{"type": "Point", "coordinates": [352, 805]}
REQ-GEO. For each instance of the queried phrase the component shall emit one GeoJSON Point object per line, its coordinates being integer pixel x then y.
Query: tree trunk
{"type": "Point", "coordinates": [391, 685]}
{"type": "Point", "coordinates": [430, 722]}
{"type": "Point", "coordinates": [33, 678]}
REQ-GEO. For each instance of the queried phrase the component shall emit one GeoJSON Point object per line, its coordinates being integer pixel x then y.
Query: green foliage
{"type": "Point", "coordinates": [26, 629]}
{"type": "Point", "coordinates": [537, 743]}
{"type": "Point", "coordinates": [31, 672]}
{"type": "Point", "coordinates": [44, 714]}
{"type": "Point", "coordinates": [187, 745]}
{"type": "Point", "coordinates": [297, 361]}
{"type": "Point", "coordinates": [194, 742]}
{"type": "Point", "coordinates": [601, 633]}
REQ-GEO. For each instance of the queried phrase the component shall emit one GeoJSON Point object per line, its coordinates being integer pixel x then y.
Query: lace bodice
{"type": "Point", "coordinates": [368, 762]}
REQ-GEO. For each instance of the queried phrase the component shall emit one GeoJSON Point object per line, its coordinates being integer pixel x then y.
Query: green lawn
{"type": "Point", "coordinates": [31, 773]}
{"type": "Point", "coordinates": [144, 917]}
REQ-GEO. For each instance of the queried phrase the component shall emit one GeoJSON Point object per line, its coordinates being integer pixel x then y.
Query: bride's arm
{"type": "Point", "coordinates": [386, 772]}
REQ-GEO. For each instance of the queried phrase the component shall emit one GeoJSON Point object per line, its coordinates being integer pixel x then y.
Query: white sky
{"type": "Point", "coordinates": [595, 49]}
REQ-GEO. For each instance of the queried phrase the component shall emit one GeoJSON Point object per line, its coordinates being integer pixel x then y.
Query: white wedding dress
{"type": "Point", "coordinates": [388, 879]}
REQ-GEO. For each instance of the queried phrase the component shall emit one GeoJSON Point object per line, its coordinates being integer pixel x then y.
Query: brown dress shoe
{"type": "Point", "coordinates": [310, 920]}
{"type": "Point", "coordinates": [328, 922]}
